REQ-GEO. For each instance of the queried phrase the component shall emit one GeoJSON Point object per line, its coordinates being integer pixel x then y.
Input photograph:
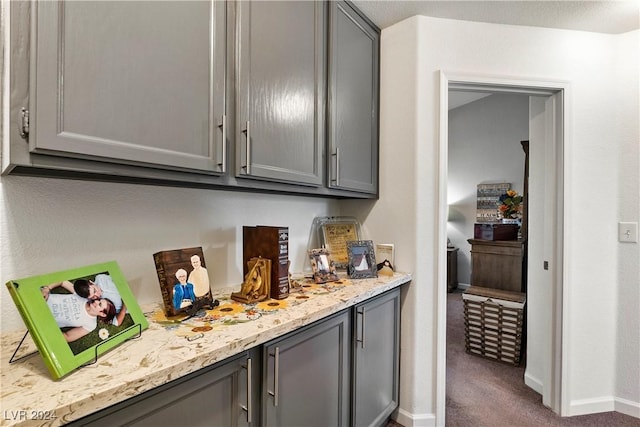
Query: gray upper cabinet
{"type": "Point", "coordinates": [280, 90]}
{"type": "Point", "coordinates": [131, 82]}
{"type": "Point", "coordinates": [353, 100]}
{"type": "Point", "coordinates": [254, 95]}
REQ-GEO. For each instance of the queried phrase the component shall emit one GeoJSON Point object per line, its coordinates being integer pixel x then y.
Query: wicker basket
{"type": "Point", "coordinates": [493, 321]}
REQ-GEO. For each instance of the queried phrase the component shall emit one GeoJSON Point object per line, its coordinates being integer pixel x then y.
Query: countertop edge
{"type": "Point", "coordinates": [144, 377]}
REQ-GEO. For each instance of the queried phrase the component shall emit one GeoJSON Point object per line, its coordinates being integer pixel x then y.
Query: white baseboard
{"type": "Point", "coordinates": [591, 406]}
{"type": "Point", "coordinates": [578, 407]}
{"type": "Point", "coordinates": [533, 383]}
{"type": "Point", "coordinates": [408, 419]}
{"type": "Point", "coordinates": [627, 407]}
{"type": "Point", "coordinates": [605, 404]}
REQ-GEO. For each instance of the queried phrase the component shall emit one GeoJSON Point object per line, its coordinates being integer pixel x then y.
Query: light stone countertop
{"type": "Point", "coordinates": [163, 353]}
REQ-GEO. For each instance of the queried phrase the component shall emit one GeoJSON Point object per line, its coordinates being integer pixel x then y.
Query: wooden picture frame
{"type": "Point", "coordinates": [190, 265]}
{"type": "Point", "coordinates": [362, 259]}
{"type": "Point", "coordinates": [67, 342]}
{"type": "Point", "coordinates": [323, 267]}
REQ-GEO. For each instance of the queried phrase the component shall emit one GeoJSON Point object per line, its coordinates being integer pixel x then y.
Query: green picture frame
{"type": "Point", "coordinates": [66, 348]}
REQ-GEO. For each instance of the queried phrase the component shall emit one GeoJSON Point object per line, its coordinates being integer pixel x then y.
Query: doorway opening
{"type": "Point", "coordinates": [547, 133]}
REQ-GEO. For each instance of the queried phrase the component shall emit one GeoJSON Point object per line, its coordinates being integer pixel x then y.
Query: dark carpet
{"type": "Point", "coordinates": [486, 393]}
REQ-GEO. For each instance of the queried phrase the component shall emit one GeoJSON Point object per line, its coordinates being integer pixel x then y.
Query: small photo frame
{"type": "Point", "coordinates": [323, 267]}
{"type": "Point", "coordinates": [385, 251]}
{"type": "Point", "coordinates": [362, 259]}
{"type": "Point", "coordinates": [73, 316]}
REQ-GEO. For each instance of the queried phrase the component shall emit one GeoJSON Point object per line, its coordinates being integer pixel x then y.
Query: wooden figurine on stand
{"type": "Point", "coordinates": [257, 282]}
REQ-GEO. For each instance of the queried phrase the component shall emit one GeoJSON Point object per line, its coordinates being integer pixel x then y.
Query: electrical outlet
{"type": "Point", "coordinates": [628, 232]}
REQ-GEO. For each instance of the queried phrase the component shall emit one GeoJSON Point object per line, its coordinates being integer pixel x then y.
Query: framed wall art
{"type": "Point", "coordinates": [75, 315]}
{"type": "Point", "coordinates": [362, 259]}
{"type": "Point", "coordinates": [488, 196]}
{"type": "Point", "coordinates": [323, 267]}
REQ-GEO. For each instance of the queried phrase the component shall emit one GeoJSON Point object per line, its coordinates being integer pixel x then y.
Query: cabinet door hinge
{"type": "Point", "coordinates": [24, 125]}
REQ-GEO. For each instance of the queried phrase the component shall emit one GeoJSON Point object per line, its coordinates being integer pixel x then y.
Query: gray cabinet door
{"type": "Point", "coordinates": [280, 90]}
{"type": "Point", "coordinates": [132, 82]}
{"type": "Point", "coordinates": [306, 376]}
{"type": "Point", "coordinates": [211, 397]}
{"type": "Point", "coordinates": [376, 359]}
{"type": "Point", "coordinates": [353, 100]}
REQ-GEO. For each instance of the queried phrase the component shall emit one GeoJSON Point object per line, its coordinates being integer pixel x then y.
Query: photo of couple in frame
{"type": "Point", "coordinates": [75, 315]}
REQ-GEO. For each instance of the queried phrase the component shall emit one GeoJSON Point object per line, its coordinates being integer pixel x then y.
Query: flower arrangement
{"type": "Point", "coordinates": [510, 204]}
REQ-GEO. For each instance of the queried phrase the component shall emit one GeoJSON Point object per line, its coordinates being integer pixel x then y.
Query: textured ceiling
{"type": "Point", "coordinates": [613, 16]}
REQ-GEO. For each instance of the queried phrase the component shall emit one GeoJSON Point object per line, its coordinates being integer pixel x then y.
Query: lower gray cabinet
{"type": "Point", "coordinates": [339, 371]}
{"type": "Point", "coordinates": [306, 376]}
{"type": "Point", "coordinates": [222, 395]}
{"type": "Point", "coordinates": [376, 359]}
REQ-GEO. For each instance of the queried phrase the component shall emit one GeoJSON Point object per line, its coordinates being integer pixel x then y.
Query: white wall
{"type": "Point", "coordinates": [484, 147]}
{"type": "Point", "coordinates": [627, 206]}
{"type": "Point", "coordinates": [48, 225]}
{"type": "Point", "coordinates": [602, 119]}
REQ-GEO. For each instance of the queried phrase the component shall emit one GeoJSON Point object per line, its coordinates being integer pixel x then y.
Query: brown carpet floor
{"type": "Point", "coordinates": [487, 393]}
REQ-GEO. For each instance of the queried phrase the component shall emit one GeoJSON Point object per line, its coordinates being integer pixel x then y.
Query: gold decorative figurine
{"type": "Point", "coordinates": [257, 282]}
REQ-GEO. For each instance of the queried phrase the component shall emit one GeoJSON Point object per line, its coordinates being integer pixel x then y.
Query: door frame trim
{"type": "Point", "coordinates": [560, 353]}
